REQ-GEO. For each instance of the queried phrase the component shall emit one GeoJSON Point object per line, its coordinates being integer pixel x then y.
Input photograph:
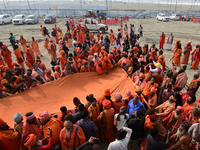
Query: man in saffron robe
{"type": "Point", "coordinates": [162, 40]}
{"type": "Point", "coordinates": [7, 56]}
{"type": "Point", "coordinates": [149, 85]}
{"type": "Point", "coordinates": [107, 119]}
{"type": "Point", "coordinates": [19, 56]}
{"type": "Point", "coordinates": [35, 47]}
{"type": "Point", "coordinates": [22, 41]}
{"type": "Point", "coordinates": [196, 58]}
{"type": "Point", "coordinates": [187, 50]}
{"type": "Point", "coordinates": [194, 84]}
{"type": "Point", "coordinates": [177, 55]}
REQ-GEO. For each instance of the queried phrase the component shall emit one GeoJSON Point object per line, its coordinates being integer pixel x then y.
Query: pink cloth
{"type": "Point", "coordinates": [44, 116]}
{"type": "Point", "coordinates": [181, 80]}
{"type": "Point", "coordinates": [117, 96]}
{"type": "Point", "coordinates": [141, 84]}
{"type": "Point", "coordinates": [128, 92]}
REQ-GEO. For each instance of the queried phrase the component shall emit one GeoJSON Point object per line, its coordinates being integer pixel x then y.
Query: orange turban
{"type": "Point", "coordinates": [138, 89]}
{"type": "Point", "coordinates": [179, 41]}
{"type": "Point", "coordinates": [84, 61]}
{"type": "Point", "coordinates": [62, 52]}
{"type": "Point", "coordinates": [1, 122]}
{"type": "Point", "coordinates": [56, 67]}
{"type": "Point", "coordinates": [106, 103]}
{"type": "Point", "coordinates": [114, 49]}
{"type": "Point", "coordinates": [110, 56]}
{"type": "Point", "coordinates": [30, 140]}
{"type": "Point", "coordinates": [107, 92]}
{"type": "Point", "coordinates": [20, 36]}
{"type": "Point", "coordinates": [118, 49]}
{"type": "Point", "coordinates": [103, 48]}
{"type": "Point", "coordinates": [142, 75]}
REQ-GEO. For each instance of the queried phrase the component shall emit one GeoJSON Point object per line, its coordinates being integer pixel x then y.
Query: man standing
{"type": "Point", "coordinates": [170, 41]}
{"type": "Point", "coordinates": [187, 50]}
{"type": "Point", "coordinates": [122, 139]}
{"type": "Point", "coordinates": [194, 84]}
{"type": "Point", "coordinates": [134, 105]}
{"type": "Point", "coordinates": [12, 39]}
{"type": "Point", "coordinates": [140, 29]}
{"type": "Point", "coordinates": [162, 40]}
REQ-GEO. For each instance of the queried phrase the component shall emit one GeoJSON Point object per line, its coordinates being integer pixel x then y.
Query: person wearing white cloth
{"type": "Point", "coordinates": [157, 69]}
{"type": "Point", "coordinates": [122, 139]}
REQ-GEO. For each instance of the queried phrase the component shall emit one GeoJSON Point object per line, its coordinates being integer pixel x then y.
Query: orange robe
{"type": "Point", "coordinates": [187, 107]}
{"type": "Point", "coordinates": [98, 37]}
{"type": "Point", "coordinates": [108, 132]}
{"type": "Point", "coordinates": [7, 58]}
{"type": "Point", "coordinates": [117, 105]}
{"type": "Point", "coordinates": [35, 47]}
{"type": "Point", "coordinates": [80, 138]}
{"type": "Point", "coordinates": [111, 37]}
{"type": "Point", "coordinates": [46, 43]}
{"type": "Point", "coordinates": [56, 127]}
{"type": "Point", "coordinates": [177, 56]}
{"type": "Point", "coordinates": [162, 41]}
{"type": "Point", "coordinates": [23, 44]}
{"type": "Point", "coordinates": [186, 55]}
{"type": "Point", "coordinates": [9, 140]}
{"type": "Point", "coordinates": [18, 57]}
{"type": "Point", "coordinates": [62, 62]}
{"type": "Point", "coordinates": [147, 89]}
{"type": "Point", "coordinates": [196, 61]}
{"type": "Point", "coordinates": [165, 109]}
{"type": "Point", "coordinates": [152, 101]}
{"type": "Point", "coordinates": [52, 51]}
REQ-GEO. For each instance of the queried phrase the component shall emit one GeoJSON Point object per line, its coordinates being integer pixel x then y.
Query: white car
{"type": "Point", "coordinates": [19, 19]}
{"type": "Point", "coordinates": [162, 17]}
{"type": "Point", "coordinates": [31, 19]}
{"type": "Point", "coordinates": [93, 25]}
{"type": "Point", "coordinates": [6, 18]}
{"type": "Point", "coordinates": [175, 17]}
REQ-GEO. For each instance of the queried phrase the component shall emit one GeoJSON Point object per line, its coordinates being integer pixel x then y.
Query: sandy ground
{"type": "Point", "coordinates": [185, 31]}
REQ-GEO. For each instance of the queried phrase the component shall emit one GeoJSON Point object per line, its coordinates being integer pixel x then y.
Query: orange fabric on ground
{"type": "Point", "coordinates": [50, 96]}
{"type": "Point", "coordinates": [177, 57]}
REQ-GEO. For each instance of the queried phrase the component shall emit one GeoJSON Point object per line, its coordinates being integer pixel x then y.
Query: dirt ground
{"type": "Point", "coordinates": [185, 31]}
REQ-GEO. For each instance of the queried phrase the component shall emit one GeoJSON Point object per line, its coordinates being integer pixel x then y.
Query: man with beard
{"type": "Point", "coordinates": [189, 105]}
{"type": "Point", "coordinates": [182, 138]}
{"type": "Point", "coordinates": [31, 126]}
{"type": "Point", "coordinates": [9, 140]}
{"type": "Point", "coordinates": [71, 136]}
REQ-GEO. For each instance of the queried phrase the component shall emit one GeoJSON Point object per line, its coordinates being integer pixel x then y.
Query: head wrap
{"type": "Point", "coordinates": [117, 96]}
{"type": "Point", "coordinates": [30, 140]}
{"type": "Point", "coordinates": [20, 36]}
{"type": "Point", "coordinates": [180, 108]}
{"type": "Point", "coordinates": [107, 92]}
{"type": "Point", "coordinates": [190, 42]}
{"type": "Point", "coordinates": [179, 41]}
{"type": "Point", "coordinates": [56, 67]}
{"type": "Point", "coordinates": [50, 40]}
{"type": "Point", "coordinates": [95, 54]}
{"type": "Point", "coordinates": [17, 117]}
{"type": "Point", "coordinates": [1, 122]}
{"type": "Point", "coordinates": [152, 116]}
{"type": "Point", "coordinates": [138, 89]}
{"type": "Point", "coordinates": [84, 61]}
{"type": "Point", "coordinates": [44, 116]}
{"type": "Point", "coordinates": [62, 52]}
{"type": "Point", "coordinates": [153, 90]}
{"type": "Point", "coordinates": [128, 92]}
{"type": "Point", "coordinates": [118, 49]}
{"type": "Point", "coordinates": [142, 75]}
{"type": "Point", "coordinates": [106, 103]}
{"type": "Point", "coordinates": [158, 65]}
{"type": "Point", "coordinates": [30, 117]}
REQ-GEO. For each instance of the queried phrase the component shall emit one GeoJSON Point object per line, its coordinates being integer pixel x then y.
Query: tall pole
{"type": "Point", "coordinates": [4, 4]}
{"type": "Point", "coordinates": [28, 4]}
{"type": "Point", "coordinates": [176, 5]}
{"type": "Point", "coordinates": [107, 5]}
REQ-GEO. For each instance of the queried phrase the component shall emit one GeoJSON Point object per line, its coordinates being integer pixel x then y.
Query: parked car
{"type": "Point", "coordinates": [19, 19]}
{"type": "Point", "coordinates": [5, 18]}
{"type": "Point", "coordinates": [93, 25]}
{"type": "Point", "coordinates": [31, 19]}
{"type": "Point", "coordinates": [162, 17]}
{"type": "Point", "coordinates": [50, 19]}
{"type": "Point", "coordinates": [175, 17]}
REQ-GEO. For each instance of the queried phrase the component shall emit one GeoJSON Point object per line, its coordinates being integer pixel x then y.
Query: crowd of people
{"type": "Point", "coordinates": [156, 115]}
